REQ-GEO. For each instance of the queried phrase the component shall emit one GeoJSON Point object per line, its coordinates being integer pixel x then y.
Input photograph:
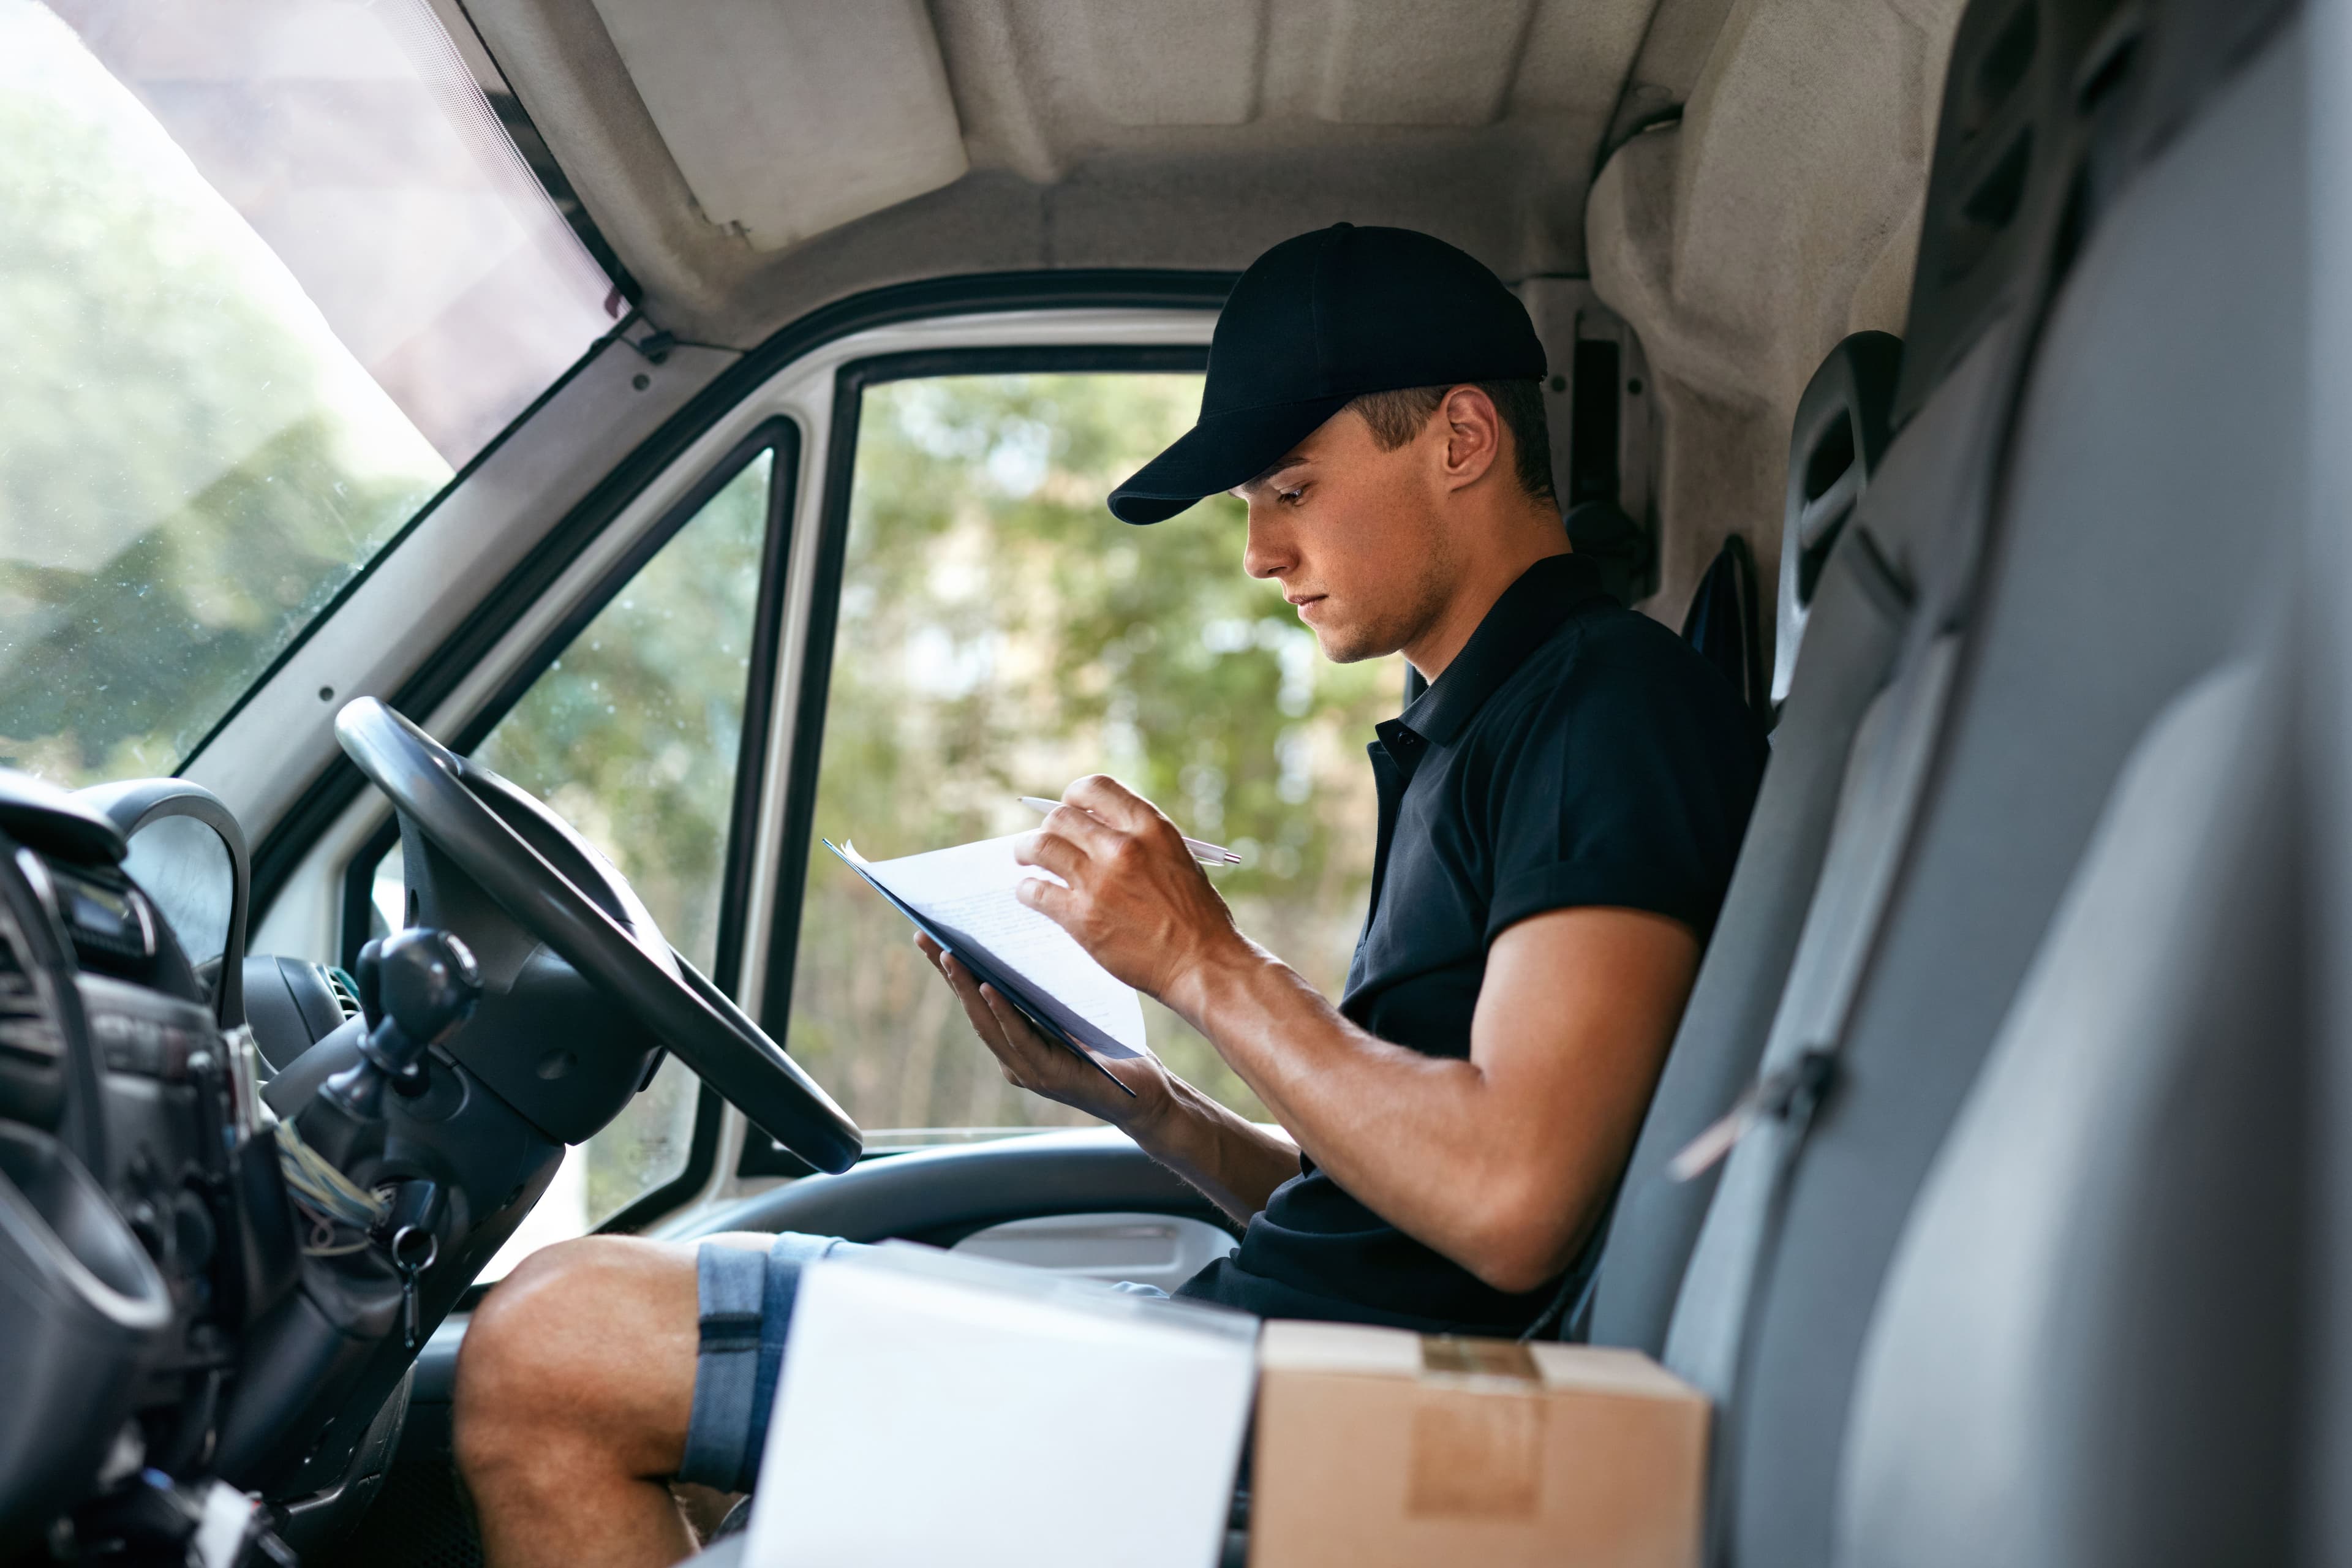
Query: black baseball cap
{"type": "Point", "coordinates": [1317, 321]}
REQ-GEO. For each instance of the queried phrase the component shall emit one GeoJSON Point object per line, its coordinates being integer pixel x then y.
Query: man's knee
{"type": "Point", "coordinates": [586, 1351]}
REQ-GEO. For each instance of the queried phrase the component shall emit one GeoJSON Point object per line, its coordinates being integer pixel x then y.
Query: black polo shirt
{"type": "Point", "coordinates": [1573, 753]}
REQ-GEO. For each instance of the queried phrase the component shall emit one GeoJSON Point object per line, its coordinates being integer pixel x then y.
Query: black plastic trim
{"type": "Point", "coordinates": [540, 160]}
{"type": "Point", "coordinates": [832, 520]}
{"type": "Point", "coordinates": [281, 849]}
{"type": "Point", "coordinates": [351, 934]}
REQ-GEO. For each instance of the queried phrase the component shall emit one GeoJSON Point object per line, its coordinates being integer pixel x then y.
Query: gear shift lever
{"type": "Point", "coordinates": [416, 988]}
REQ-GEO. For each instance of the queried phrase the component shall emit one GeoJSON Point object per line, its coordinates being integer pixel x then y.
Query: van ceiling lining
{"type": "Point", "coordinates": [750, 160]}
{"type": "Point", "coordinates": [788, 120]}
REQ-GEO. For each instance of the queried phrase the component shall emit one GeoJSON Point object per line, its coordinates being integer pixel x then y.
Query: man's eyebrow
{"type": "Point", "coordinates": [1281, 467]}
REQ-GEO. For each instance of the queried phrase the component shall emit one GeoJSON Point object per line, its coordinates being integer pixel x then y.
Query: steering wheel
{"type": "Point", "coordinates": [450, 800]}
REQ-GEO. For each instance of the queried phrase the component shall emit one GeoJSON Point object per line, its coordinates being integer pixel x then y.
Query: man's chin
{"type": "Point", "coordinates": [1349, 644]}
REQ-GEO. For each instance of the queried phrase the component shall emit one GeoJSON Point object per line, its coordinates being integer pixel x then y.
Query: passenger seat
{"type": "Point", "coordinates": [2046, 540]}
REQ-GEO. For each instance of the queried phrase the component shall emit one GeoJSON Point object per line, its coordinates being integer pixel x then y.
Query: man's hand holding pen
{"type": "Point", "coordinates": [1135, 897]}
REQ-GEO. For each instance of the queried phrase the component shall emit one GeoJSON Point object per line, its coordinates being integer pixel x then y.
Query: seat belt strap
{"type": "Point", "coordinates": [1758, 1138]}
{"type": "Point", "coordinates": [1794, 1091]}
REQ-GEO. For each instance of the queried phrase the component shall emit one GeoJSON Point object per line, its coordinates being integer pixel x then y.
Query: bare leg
{"type": "Point", "coordinates": [573, 1389]}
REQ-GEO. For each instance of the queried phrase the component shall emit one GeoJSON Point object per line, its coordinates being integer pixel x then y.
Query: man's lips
{"type": "Point", "coordinates": [1304, 603]}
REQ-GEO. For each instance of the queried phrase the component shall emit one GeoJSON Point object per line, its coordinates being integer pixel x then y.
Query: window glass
{"type": "Point", "coordinates": [633, 736]}
{"type": "Point", "coordinates": [272, 273]}
{"type": "Point", "coordinates": [183, 865]}
{"type": "Point", "coordinates": [1000, 634]}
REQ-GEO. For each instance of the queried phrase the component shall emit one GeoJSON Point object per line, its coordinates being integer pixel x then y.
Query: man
{"type": "Point", "coordinates": [1560, 812]}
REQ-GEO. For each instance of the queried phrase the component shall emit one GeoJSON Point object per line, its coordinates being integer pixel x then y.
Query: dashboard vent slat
{"type": "Point", "coordinates": [345, 997]}
{"type": "Point", "coordinates": [28, 1022]}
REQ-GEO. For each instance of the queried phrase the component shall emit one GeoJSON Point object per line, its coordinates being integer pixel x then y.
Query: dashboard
{"type": "Point", "coordinates": [237, 1193]}
{"type": "Point", "coordinates": [130, 1250]}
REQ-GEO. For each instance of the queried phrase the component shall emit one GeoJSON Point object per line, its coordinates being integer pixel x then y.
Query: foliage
{"type": "Point", "coordinates": [191, 464]}
{"type": "Point", "coordinates": [1000, 634]}
{"type": "Point", "coordinates": [633, 736]}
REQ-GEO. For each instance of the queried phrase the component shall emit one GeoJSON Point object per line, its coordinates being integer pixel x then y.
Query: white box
{"type": "Point", "coordinates": [936, 1408]}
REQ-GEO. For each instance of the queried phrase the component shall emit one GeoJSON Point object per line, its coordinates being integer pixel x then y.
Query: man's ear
{"type": "Point", "coordinates": [1473, 436]}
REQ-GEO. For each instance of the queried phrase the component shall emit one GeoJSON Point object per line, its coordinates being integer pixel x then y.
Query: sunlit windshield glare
{"type": "Point", "coordinates": [272, 273]}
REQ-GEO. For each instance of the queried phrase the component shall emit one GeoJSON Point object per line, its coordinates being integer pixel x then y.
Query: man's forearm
{"type": "Point", "coordinates": [1234, 1160]}
{"type": "Point", "coordinates": [1364, 1109]}
{"type": "Point", "coordinates": [1501, 1179]}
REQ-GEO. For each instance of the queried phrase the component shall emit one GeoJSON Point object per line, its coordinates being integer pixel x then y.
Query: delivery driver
{"type": "Point", "coordinates": [1559, 815]}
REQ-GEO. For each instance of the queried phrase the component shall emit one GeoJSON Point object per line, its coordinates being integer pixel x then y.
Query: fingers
{"type": "Point", "coordinates": [959, 980]}
{"type": "Point", "coordinates": [1051, 851]}
{"type": "Point", "coordinates": [1056, 904]}
{"type": "Point", "coordinates": [1083, 828]}
{"type": "Point", "coordinates": [1000, 1025]}
{"type": "Point", "coordinates": [1112, 801]}
{"type": "Point", "coordinates": [1015, 1028]}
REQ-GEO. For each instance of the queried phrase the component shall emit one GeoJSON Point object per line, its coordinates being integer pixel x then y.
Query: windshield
{"type": "Point", "coordinates": [272, 273]}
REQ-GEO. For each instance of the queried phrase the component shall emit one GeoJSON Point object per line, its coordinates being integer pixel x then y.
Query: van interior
{"type": "Point", "coordinates": [531, 468]}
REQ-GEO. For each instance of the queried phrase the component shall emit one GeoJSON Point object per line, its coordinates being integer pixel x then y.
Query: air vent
{"type": "Point", "coordinates": [1831, 457]}
{"type": "Point", "coordinates": [1990, 207]}
{"type": "Point", "coordinates": [345, 991]}
{"type": "Point", "coordinates": [112, 926]}
{"type": "Point", "coordinates": [2000, 72]}
{"type": "Point", "coordinates": [28, 1022]}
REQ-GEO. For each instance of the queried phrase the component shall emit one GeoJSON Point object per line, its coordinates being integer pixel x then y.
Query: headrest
{"type": "Point", "coordinates": [1841, 427]}
{"type": "Point", "coordinates": [2028, 79]}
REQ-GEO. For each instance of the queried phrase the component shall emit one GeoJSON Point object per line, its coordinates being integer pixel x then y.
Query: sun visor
{"type": "Point", "coordinates": [788, 120]}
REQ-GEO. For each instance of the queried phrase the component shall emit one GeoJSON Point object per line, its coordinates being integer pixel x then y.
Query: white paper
{"type": "Point", "coordinates": [971, 888]}
{"type": "Point", "coordinates": [936, 1409]}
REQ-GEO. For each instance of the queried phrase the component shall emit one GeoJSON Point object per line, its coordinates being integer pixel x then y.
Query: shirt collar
{"type": "Point", "coordinates": [1544, 597]}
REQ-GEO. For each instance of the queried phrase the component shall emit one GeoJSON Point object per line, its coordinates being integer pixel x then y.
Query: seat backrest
{"type": "Point", "coordinates": [2102, 599]}
{"type": "Point", "coordinates": [1896, 535]}
{"type": "Point", "coordinates": [2085, 1348]}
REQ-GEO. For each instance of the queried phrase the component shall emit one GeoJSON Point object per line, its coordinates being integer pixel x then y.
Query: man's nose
{"type": "Point", "coordinates": [1268, 553]}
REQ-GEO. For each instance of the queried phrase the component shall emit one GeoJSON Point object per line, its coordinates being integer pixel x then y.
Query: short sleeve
{"type": "Point", "coordinates": [1627, 783]}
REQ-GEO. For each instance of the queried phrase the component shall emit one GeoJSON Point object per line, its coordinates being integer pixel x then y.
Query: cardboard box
{"type": "Point", "coordinates": [937, 1408]}
{"type": "Point", "coordinates": [1377, 1448]}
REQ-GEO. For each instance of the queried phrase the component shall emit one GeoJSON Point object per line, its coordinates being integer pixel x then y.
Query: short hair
{"type": "Point", "coordinates": [1396, 417]}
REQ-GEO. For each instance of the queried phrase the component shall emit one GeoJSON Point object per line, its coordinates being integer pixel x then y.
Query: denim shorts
{"type": "Point", "coordinates": [745, 1298]}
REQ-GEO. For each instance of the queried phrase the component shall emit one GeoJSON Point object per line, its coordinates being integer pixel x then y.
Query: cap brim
{"type": "Point", "coordinates": [1219, 453]}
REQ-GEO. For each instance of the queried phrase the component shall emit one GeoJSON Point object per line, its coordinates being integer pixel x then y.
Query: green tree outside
{"type": "Point", "coordinates": [632, 735]}
{"type": "Point", "coordinates": [1001, 635]}
{"type": "Point", "coordinates": [191, 464]}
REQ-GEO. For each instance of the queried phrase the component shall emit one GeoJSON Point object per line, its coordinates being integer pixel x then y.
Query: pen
{"type": "Point", "coordinates": [1207, 853]}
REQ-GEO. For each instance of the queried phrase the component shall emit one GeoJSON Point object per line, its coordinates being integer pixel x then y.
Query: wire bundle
{"type": "Point", "coordinates": [328, 1200]}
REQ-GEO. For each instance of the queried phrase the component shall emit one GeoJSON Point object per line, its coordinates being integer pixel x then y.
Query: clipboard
{"type": "Point", "coordinates": [1045, 1012]}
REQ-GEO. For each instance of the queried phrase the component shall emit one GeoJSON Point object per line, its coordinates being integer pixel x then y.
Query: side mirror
{"type": "Point", "coordinates": [187, 853]}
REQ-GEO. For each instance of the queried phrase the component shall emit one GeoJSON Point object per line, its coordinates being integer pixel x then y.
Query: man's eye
{"type": "Point", "coordinates": [1290, 498]}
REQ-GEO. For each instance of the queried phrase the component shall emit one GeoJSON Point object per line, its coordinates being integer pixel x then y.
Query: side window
{"type": "Point", "coordinates": [632, 734]}
{"type": "Point", "coordinates": [1001, 634]}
